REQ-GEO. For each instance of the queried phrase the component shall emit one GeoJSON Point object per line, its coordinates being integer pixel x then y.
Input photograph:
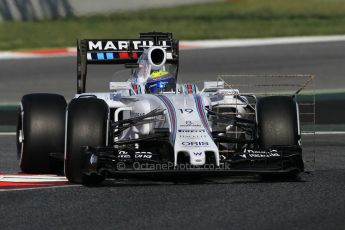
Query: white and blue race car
{"type": "Point", "coordinates": [152, 126]}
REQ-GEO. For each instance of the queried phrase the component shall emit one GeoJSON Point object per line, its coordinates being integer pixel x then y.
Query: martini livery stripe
{"type": "Point", "coordinates": [190, 89]}
{"type": "Point", "coordinates": [113, 55]}
{"type": "Point", "coordinates": [172, 116]}
{"type": "Point", "coordinates": [139, 89]}
{"type": "Point", "coordinates": [136, 88]}
{"type": "Point", "coordinates": [201, 112]}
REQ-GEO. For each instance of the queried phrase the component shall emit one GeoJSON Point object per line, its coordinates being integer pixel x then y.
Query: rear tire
{"type": "Point", "coordinates": [277, 119]}
{"type": "Point", "coordinates": [86, 126]}
{"type": "Point", "coordinates": [41, 131]}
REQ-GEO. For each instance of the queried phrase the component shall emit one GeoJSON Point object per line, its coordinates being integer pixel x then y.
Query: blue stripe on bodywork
{"type": "Point", "coordinates": [172, 116]}
{"type": "Point", "coordinates": [109, 55]}
{"type": "Point", "coordinates": [201, 112]}
{"type": "Point", "coordinates": [94, 56]}
{"type": "Point", "coordinates": [100, 56]}
{"type": "Point", "coordinates": [139, 89]}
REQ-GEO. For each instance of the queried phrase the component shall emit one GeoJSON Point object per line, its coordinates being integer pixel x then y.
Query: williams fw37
{"type": "Point", "coordinates": [151, 125]}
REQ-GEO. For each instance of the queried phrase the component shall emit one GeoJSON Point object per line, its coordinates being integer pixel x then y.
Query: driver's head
{"type": "Point", "coordinates": [160, 81]}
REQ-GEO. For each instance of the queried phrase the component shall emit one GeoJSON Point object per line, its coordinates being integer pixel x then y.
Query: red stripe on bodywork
{"type": "Point", "coordinates": [123, 55]}
{"type": "Point", "coordinates": [135, 88]}
{"type": "Point", "coordinates": [167, 102]}
{"type": "Point", "coordinates": [134, 55]}
{"type": "Point", "coordinates": [201, 114]}
{"type": "Point", "coordinates": [189, 88]}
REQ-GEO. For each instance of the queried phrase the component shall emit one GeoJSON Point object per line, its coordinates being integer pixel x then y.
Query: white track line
{"type": "Point", "coordinates": [222, 43]}
{"type": "Point", "coordinates": [8, 134]}
{"type": "Point", "coordinates": [14, 55]}
{"type": "Point", "coordinates": [31, 178]}
{"type": "Point", "coordinates": [325, 133]}
{"type": "Point", "coordinates": [40, 188]}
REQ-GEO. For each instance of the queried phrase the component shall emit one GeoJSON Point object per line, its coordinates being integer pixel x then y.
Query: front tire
{"type": "Point", "coordinates": [87, 122]}
{"type": "Point", "coordinates": [277, 120]}
{"type": "Point", "coordinates": [278, 125]}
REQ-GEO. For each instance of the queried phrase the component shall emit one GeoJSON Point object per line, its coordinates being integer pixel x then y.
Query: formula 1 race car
{"type": "Point", "coordinates": [152, 126]}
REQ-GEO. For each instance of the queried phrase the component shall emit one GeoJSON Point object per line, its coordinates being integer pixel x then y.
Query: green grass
{"type": "Point", "coordinates": [230, 19]}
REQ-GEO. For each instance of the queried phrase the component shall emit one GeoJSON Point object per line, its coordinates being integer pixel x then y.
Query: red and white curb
{"type": "Point", "coordinates": [62, 52]}
{"type": "Point", "coordinates": [185, 45]}
{"type": "Point", "coordinates": [26, 181]}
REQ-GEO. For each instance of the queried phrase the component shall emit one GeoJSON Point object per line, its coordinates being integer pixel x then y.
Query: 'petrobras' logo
{"type": "Point", "coordinates": [121, 45]}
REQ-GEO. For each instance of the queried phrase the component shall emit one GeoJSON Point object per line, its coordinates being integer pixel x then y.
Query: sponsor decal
{"type": "Point", "coordinates": [122, 45]}
{"type": "Point", "coordinates": [190, 124]}
{"type": "Point", "coordinates": [143, 155]}
{"type": "Point", "coordinates": [259, 153]}
{"type": "Point", "coordinates": [191, 131]}
{"type": "Point", "coordinates": [123, 155]}
{"type": "Point", "coordinates": [195, 143]}
{"type": "Point", "coordinates": [193, 137]}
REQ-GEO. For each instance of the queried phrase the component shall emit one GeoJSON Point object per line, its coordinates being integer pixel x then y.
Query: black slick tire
{"type": "Point", "coordinates": [41, 131]}
{"type": "Point", "coordinates": [87, 121]}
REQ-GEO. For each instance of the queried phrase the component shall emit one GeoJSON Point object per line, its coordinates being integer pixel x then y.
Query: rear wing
{"type": "Point", "coordinates": [121, 51]}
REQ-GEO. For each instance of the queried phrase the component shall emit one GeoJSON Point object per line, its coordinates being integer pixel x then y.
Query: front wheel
{"type": "Point", "coordinates": [87, 122]}
{"type": "Point", "coordinates": [278, 125]}
{"type": "Point", "coordinates": [277, 120]}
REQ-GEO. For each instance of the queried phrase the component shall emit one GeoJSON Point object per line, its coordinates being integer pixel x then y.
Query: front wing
{"type": "Point", "coordinates": [111, 162]}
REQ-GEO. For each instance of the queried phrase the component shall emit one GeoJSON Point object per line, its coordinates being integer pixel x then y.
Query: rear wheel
{"type": "Point", "coordinates": [87, 121]}
{"type": "Point", "coordinates": [41, 131]}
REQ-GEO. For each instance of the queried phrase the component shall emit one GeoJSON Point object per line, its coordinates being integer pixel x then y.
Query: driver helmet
{"type": "Point", "coordinates": [160, 81]}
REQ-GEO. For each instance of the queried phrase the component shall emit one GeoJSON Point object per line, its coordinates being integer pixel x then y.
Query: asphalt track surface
{"type": "Point", "coordinates": [317, 201]}
{"type": "Point", "coordinates": [58, 75]}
